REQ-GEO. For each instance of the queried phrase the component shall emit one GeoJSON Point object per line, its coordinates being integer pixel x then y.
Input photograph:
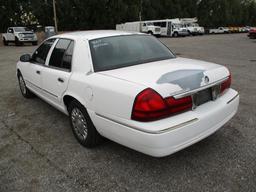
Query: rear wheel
{"type": "Point", "coordinates": [23, 88]}
{"type": "Point", "coordinates": [175, 34]}
{"type": "Point", "coordinates": [5, 42]}
{"type": "Point", "coordinates": [82, 126]}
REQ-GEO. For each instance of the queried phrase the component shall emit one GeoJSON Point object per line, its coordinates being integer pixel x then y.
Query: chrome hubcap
{"type": "Point", "coordinates": [79, 123]}
{"type": "Point", "coordinates": [22, 85]}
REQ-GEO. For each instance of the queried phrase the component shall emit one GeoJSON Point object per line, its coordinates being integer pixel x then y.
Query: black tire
{"type": "Point", "coordinates": [34, 43]}
{"type": "Point", "coordinates": [78, 117]}
{"type": "Point", "coordinates": [5, 42]}
{"type": "Point", "coordinates": [175, 34]}
{"type": "Point", "coordinates": [17, 42]}
{"type": "Point", "coordinates": [23, 88]}
{"type": "Point", "coordinates": [150, 32]}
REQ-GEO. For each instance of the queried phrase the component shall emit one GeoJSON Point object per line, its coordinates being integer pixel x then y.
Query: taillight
{"type": "Point", "coordinates": [226, 84]}
{"type": "Point", "coordinates": [150, 106]}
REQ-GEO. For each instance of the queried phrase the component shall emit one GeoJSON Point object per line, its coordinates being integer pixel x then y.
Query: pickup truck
{"type": "Point", "coordinates": [19, 36]}
{"type": "Point", "coordinates": [219, 30]}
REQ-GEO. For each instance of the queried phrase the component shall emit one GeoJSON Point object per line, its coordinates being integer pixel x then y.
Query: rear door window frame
{"type": "Point", "coordinates": [51, 51]}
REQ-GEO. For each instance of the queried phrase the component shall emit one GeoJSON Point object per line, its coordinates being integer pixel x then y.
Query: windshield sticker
{"type": "Point", "coordinates": [98, 43]}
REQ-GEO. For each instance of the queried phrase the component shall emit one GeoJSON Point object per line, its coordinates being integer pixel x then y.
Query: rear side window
{"type": "Point", "coordinates": [62, 54]}
{"type": "Point", "coordinates": [41, 53]}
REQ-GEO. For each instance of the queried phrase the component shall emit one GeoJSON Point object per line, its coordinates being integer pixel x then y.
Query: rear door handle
{"type": "Point", "coordinates": [61, 80]}
{"type": "Point", "coordinates": [38, 72]}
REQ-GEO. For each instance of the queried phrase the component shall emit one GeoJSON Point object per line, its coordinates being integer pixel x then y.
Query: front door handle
{"type": "Point", "coordinates": [61, 80]}
{"type": "Point", "coordinates": [38, 72]}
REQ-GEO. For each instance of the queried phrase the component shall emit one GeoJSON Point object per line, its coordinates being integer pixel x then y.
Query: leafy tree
{"type": "Point", "coordinates": [105, 14]}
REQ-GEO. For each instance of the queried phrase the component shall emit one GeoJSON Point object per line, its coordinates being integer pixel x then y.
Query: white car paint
{"type": "Point", "coordinates": [109, 96]}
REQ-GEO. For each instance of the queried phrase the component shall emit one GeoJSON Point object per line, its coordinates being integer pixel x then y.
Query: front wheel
{"type": "Point", "coordinates": [23, 88]}
{"type": "Point", "coordinates": [150, 32]}
{"type": "Point", "coordinates": [17, 42]}
{"type": "Point", "coordinates": [34, 43]}
{"type": "Point", "coordinates": [82, 126]}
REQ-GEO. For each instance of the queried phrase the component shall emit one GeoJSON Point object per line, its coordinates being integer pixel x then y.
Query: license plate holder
{"type": "Point", "coordinates": [202, 97]}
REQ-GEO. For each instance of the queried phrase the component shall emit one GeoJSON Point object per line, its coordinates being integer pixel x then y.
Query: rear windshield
{"type": "Point", "coordinates": [123, 51]}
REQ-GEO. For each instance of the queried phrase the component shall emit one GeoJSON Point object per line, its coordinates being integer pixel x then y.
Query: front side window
{"type": "Point", "coordinates": [163, 24]}
{"type": "Point", "coordinates": [62, 54]}
{"type": "Point", "coordinates": [41, 53]}
{"type": "Point", "coordinates": [123, 51]}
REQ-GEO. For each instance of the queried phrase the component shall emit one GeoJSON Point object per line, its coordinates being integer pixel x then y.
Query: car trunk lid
{"type": "Point", "coordinates": [172, 76]}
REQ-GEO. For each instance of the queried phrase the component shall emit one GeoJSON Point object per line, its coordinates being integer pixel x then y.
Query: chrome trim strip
{"type": "Point", "coordinates": [180, 95]}
{"type": "Point", "coordinates": [233, 98]}
{"type": "Point", "coordinates": [148, 131]}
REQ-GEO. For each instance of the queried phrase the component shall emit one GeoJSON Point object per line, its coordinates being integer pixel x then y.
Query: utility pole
{"type": "Point", "coordinates": [140, 15]}
{"type": "Point", "coordinates": [55, 16]}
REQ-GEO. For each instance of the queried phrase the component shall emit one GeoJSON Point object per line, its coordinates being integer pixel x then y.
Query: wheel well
{"type": "Point", "coordinates": [67, 99]}
{"type": "Point", "coordinates": [18, 72]}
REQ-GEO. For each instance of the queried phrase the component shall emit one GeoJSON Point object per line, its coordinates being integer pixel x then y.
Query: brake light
{"type": "Point", "coordinates": [150, 106]}
{"type": "Point", "coordinates": [226, 84]}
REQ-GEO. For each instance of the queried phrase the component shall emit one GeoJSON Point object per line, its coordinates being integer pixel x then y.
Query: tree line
{"type": "Point", "coordinates": [105, 14]}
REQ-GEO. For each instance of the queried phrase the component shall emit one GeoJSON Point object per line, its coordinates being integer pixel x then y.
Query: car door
{"type": "Point", "coordinates": [56, 75]}
{"type": "Point", "coordinates": [32, 73]}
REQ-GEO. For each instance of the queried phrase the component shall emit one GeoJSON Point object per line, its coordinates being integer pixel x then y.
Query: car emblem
{"type": "Point", "coordinates": [206, 79]}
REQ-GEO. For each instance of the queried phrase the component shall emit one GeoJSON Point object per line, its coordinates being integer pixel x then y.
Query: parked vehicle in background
{"type": "Point", "coordinates": [252, 33]}
{"type": "Point", "coordinates": [171, 27]}
{"type": "Point", "coordinates": [19, 36]}
{"type": "Point", "coordinates": [140, 26]}
{"type": "Point", "coordinates": [233, 29]}
{"type": "Point", "coordinates": [219, 30]}
{"type": "Point", "coordinates": [49, 31]}
{"type": "Point", "coordinates": [129, 88]}
{"type": "Point", "coordinates": [192, 26]}
{"type": "Point", "coordinates": [164, 27]}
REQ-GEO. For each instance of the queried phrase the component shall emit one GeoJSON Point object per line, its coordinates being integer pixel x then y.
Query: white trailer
{"type": "Point", "coordinates": [137, 26]}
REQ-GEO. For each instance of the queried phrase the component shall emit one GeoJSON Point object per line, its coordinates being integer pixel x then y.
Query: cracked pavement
{"type": "Point", "coordinates": [39, 153]}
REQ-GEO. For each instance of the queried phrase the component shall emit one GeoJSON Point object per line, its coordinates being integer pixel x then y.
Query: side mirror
{"type": "Point", "coordinates": [25, 58]}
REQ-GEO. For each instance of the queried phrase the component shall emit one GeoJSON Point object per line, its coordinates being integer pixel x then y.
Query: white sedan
{"type": "Point", "coordinates": [129, 88]}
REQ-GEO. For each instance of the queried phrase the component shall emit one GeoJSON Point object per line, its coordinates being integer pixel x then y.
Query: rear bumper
{"type": "Point", "coordinates": [164, 137]}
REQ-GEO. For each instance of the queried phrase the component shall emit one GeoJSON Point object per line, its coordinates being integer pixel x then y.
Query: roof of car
{"type": "Point", "coordinates": [95, 34]}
